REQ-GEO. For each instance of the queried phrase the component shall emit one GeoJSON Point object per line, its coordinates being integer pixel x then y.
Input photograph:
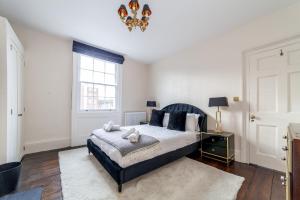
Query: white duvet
{"type": "Point", "coordinates": [169, 140]}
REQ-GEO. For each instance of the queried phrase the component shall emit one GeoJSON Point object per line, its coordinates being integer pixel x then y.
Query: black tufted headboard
{"type": "Point", "coordinates": [189, 109]}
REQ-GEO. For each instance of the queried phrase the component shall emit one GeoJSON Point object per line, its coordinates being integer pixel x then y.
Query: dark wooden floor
{"type": "Point", "coordinates": [42, 169]}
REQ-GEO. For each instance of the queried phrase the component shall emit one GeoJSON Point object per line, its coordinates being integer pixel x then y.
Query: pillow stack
{"type": "Point", "coordinates": [180, 120]}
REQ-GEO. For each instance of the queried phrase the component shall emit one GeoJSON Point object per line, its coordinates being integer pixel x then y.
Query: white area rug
{"type": "Point", "coordinates": [84, 178]}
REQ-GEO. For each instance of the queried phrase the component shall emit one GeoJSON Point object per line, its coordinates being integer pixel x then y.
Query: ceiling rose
{"type": "Point", "coordinates": [132, 21]}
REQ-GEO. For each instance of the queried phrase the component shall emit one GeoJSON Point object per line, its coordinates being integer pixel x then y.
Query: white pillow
{"type": "Point", "coordinates": [197, 128]}
{"type": "Point", "coordinates": [191, 123]}
{"type": "Point", "coordinates": [166, 120]}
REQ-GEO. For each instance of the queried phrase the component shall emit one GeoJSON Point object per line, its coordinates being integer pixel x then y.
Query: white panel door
{"type": "Point", "coordinates": [274, 80]}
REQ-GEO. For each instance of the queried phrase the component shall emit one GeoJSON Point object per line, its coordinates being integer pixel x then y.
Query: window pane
{"type": "Point", "coordinates": [110, 79]}
{"type": "Point", "coordinates": [110, 68]}
{"type": "Point", "coordinates": [86, 90]}
{"type": "Point", "coordinates": [110, 91]}
{"type": "Point", "coordinates": [99, 65]}
{"type": "Point", "coordinates": [86, 62]}
{"type": "Point", "coordinates": [97, 80]}
{"type": "Point", "coordinates": [87, 103]}
{"type": "Point", "coordinates": [107, 103]}
{"type": "Point", "coordinates": [96, 104]}
{"type": "Point", "coordinates": [86, 75]}
{"type": "Point", "coordinates": [111, 103]}
{"type": "Point", "coordinates": [98, 77]}
{"type": "Point", "coordinates": [99, 90]}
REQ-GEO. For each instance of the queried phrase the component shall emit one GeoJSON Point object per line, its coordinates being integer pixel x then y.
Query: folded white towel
{"type": "Point", "coordinates": [116, 127]}
{"type": "Point", "coordinates": [129, 132]}
{"type": "Point", "coordinates": [134, 137]}
{"type": "Point", "coordinates": [108, 127]}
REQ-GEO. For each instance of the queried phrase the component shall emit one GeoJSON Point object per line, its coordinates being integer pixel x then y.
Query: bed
{"type": "Point", "coordinates": [122, 171]}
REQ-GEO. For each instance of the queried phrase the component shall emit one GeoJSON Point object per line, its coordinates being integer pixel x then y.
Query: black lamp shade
{"type": "Point", "coordinates": [218, 101]}
{"type": "Point", "coordinates": [151, 103]}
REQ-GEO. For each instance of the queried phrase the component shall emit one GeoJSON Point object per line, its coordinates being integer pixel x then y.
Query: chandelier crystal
{"type": "Point", "coordinates": [132, 21]}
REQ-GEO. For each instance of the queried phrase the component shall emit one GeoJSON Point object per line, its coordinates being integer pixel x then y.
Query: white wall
{"type": "Point", "coordinates": [215, 68]}
{"type": "Point", "coordinates": [135, 85]}
{"type": "Point", "coordinates": [48, 86]}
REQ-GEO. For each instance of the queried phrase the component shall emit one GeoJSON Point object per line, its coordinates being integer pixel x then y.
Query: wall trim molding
{"type": "Point", "coordinates": [46, 145]}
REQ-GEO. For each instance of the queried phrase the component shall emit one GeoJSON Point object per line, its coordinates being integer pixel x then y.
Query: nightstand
{"type": "Point", "coordinates": [218, 146]}
{"type": "Point", "coordinates": [143, 123]}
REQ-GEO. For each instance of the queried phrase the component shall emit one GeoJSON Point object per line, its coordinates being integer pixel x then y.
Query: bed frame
{"type": "Point", "coordinates": [123, 175]}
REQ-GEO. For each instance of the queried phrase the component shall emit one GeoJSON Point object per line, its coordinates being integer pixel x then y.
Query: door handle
{"type": "Point", "coordinates": [284, 137]}
{"type": "Point", "coordinates": [252, 117]}
{"type": "Point", "coordinates": [20, 115]}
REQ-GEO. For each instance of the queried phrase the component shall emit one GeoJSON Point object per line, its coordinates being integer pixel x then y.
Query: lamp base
{"type": "Point", "coordinates": [218, 122]}
{"type": "Point", "coordinates": [218, 128]}
{"type": "Point", "coordinates": [148, 114]}
{"type": "Point", "coordinates": [218, 131]}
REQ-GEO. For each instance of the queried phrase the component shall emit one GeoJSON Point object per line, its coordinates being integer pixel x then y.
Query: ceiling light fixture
{"type": "Point", "coordinates": [132, 21]}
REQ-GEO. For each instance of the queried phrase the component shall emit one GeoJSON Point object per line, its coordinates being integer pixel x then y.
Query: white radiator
{"type": "Point", "coordinates": [134, 118]}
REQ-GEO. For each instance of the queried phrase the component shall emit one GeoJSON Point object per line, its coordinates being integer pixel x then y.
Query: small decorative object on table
{"type": "Point", "coordinates": [218, 102]}
{"type": "Point", "coordinates": [218, 146]}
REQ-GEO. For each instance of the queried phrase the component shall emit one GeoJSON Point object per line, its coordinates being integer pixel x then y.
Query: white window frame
{"type": "Point", "coordinates": [76, 89]}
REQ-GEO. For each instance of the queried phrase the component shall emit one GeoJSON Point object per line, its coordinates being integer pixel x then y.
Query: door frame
{"type": "Point", "coordinates": [245, 145]}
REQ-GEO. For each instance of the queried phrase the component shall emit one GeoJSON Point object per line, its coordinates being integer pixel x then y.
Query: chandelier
{"type": "Point", "coordinates": [132, 21]}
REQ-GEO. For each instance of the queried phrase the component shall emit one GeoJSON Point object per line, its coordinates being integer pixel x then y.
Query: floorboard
{"type": "Point", "coordinates": [42, 170]}
{"type": "Point", "coordinates": [261, 184]}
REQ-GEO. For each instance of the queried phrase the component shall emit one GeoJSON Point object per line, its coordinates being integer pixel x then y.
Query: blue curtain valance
{"type": "Point", "coordinates": [97, 53]}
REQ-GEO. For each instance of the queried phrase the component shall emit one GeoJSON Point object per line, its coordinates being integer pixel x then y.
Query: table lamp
{"type": "Point", "coordinates": [218, 102]}
{"type": "Point", "coordinates": [150, 105]}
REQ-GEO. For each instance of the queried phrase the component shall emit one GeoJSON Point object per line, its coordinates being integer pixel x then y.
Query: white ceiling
{"type": "Point", "coordinates": [174, 25]}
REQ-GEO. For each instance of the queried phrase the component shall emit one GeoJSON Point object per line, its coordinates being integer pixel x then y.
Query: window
{"type": "Point", "coordinates": [98, 84]}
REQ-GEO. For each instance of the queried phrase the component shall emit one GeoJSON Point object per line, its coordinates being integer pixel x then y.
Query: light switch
{"type": "Point", "coordinates": [236, 99]}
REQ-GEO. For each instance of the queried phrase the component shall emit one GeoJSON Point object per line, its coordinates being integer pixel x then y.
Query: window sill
{"type": "Point", "coordinates": [90, 114]}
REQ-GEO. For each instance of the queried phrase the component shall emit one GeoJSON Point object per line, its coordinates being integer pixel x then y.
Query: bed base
{"type": "Point", "coordinates": [123, 175]}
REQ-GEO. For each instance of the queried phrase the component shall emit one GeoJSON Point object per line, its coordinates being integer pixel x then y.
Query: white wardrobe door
{"type": "Point", "coordinates": [12, 95]}
{"type": "Point", "coordinates": [20, 107]}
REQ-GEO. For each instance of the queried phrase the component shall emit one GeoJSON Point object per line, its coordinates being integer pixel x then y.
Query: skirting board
{"type": "Point", "coordinates": [46, 145]}
{"type": "Point", "coordinates": [238, 155]}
